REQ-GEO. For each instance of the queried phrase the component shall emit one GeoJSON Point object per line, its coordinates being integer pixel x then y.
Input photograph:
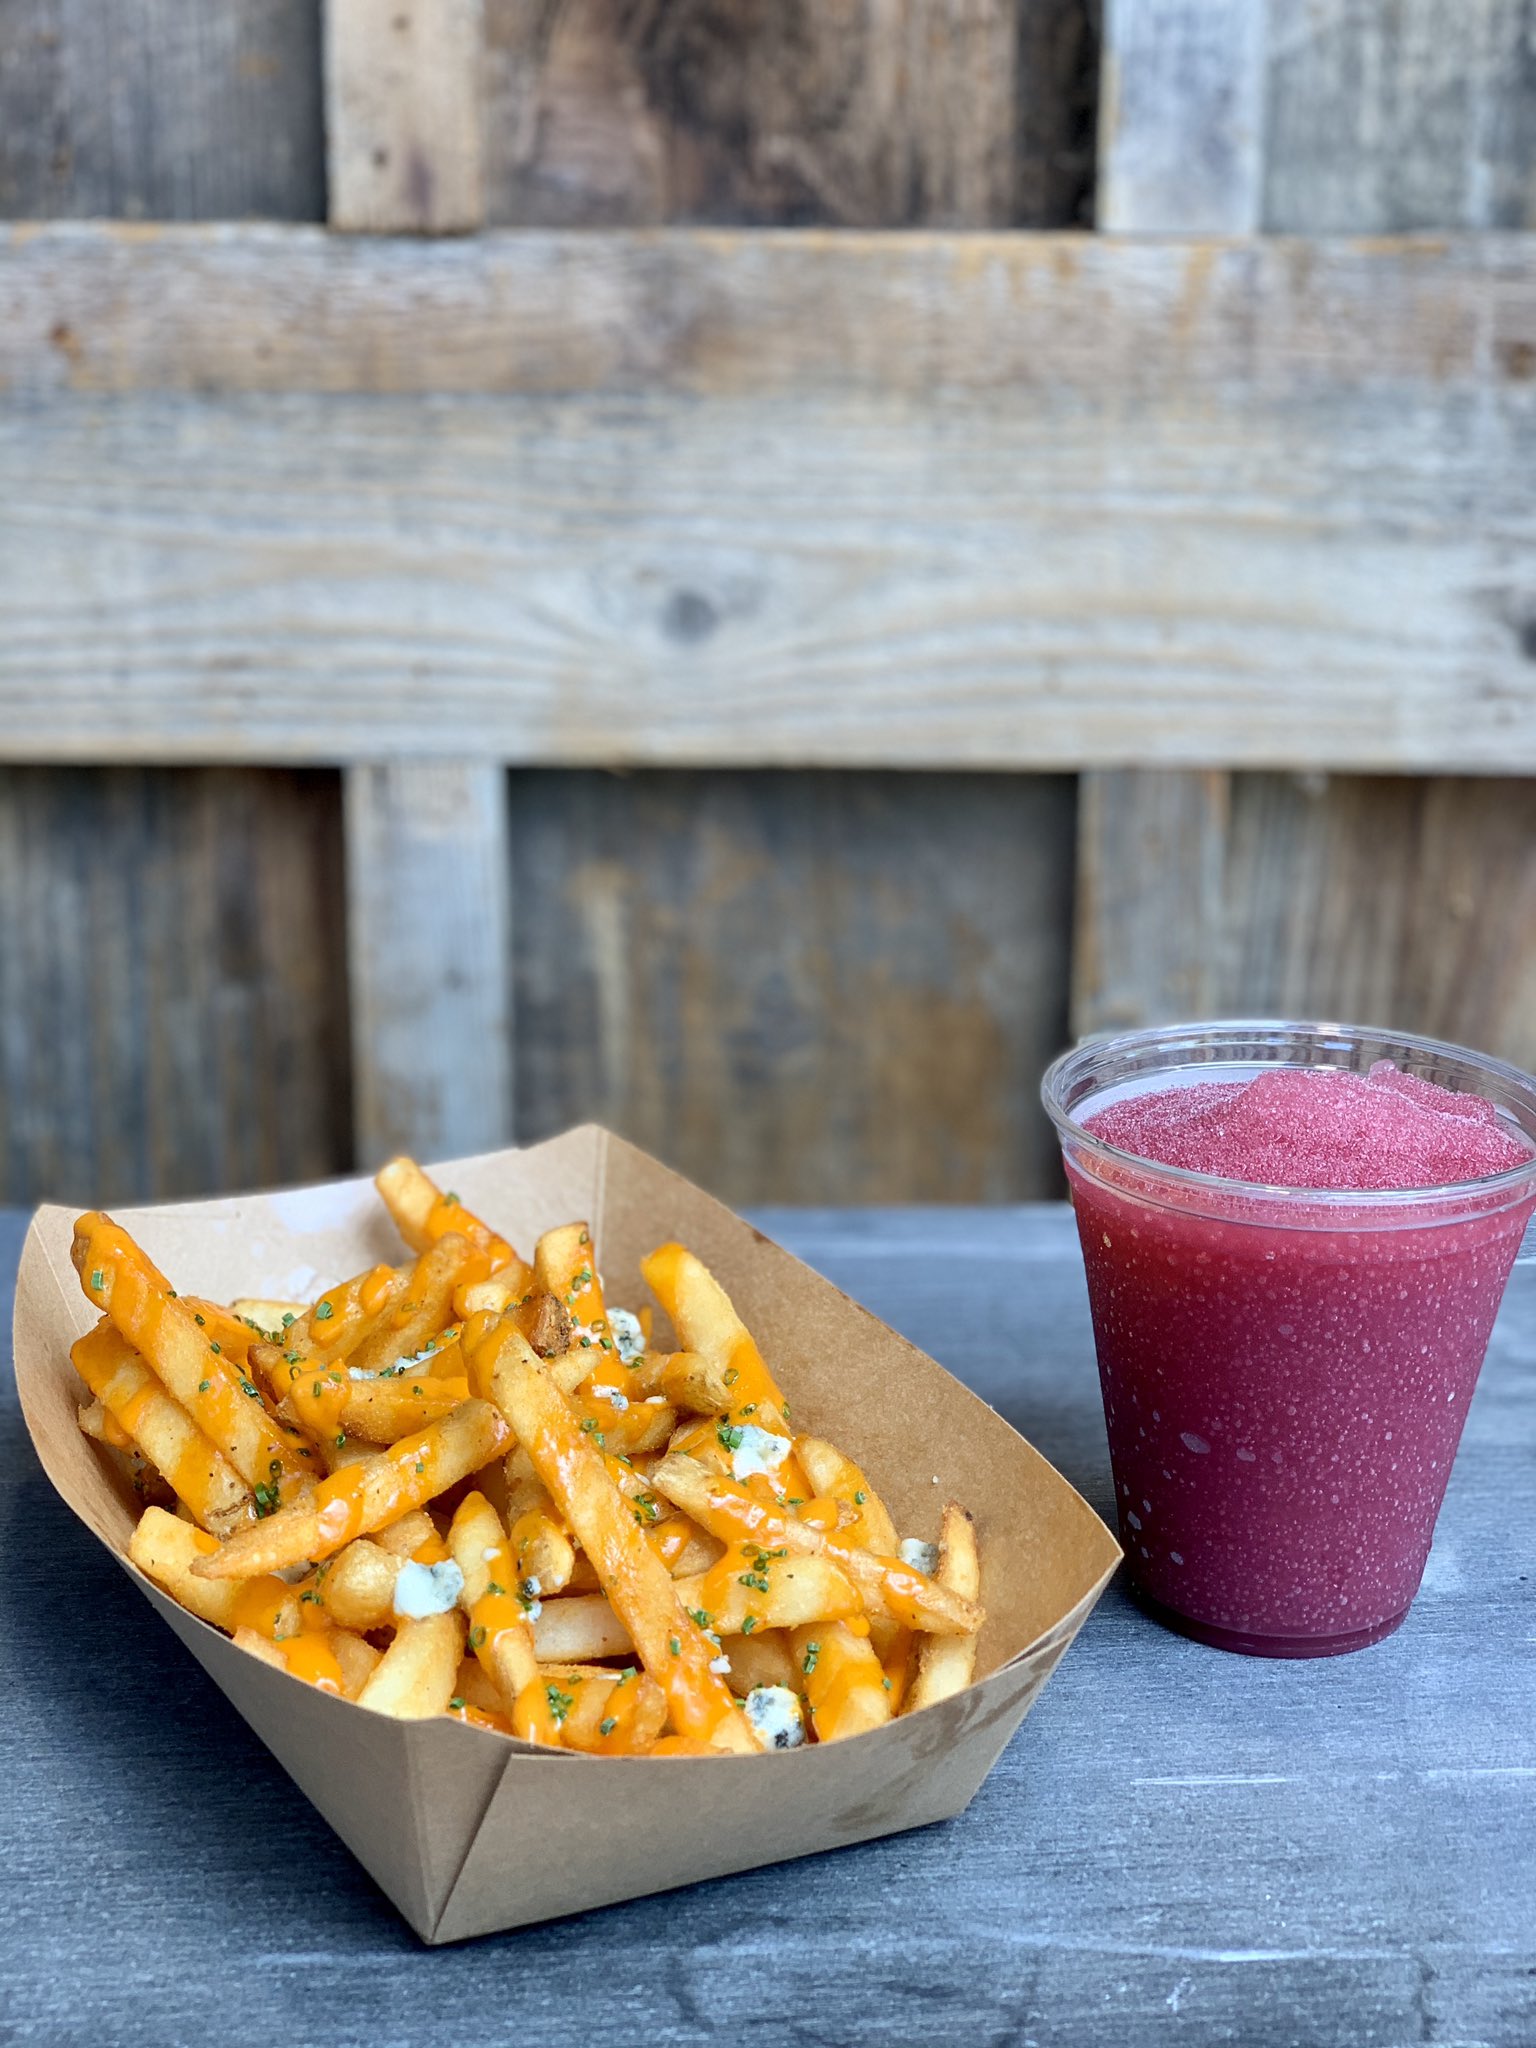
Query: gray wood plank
{"type": "Point", "coordinates": [161, 109]}
{"type": "Point", "coordinates": [1179, 1846]}
{"type": "Point", "coordinates": [1181, 116]}
{"type": "Point", "coordinates": [798, 987]}
{"type": "Point", "coordinates": [428, 947]}
{"type": "Point", "coordinates": [851, 502]}
{"type": "Point", "coordinates": [1393, 114]}
{"type": "Point", "coordinates": [173, 1009]}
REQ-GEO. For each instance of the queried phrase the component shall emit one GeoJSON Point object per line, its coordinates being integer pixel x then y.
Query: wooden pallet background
{"type": "Point", "coordinates": [769, 562]}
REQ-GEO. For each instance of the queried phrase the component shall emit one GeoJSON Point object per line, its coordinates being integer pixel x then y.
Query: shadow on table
{"type": "Point", "coordinates": [139, 1743]}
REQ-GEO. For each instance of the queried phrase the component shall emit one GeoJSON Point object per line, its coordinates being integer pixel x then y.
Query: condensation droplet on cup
{"type": "Point", "coordinates": [1191, 1442]}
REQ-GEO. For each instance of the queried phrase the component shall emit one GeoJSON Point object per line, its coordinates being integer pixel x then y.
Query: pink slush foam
{"type": "Point", "coordinates": [1302, 1127]}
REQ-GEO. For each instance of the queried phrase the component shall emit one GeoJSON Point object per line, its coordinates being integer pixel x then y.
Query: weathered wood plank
{"type": "Point", "coordinates": [1395, 901]}
{"type": "Point", "coordinates": [404, 152]}
{"type": "Point", "coordinates": [1401, 114]}
{"type": "Point", "coordinates": [1074, 322]}
{"type": "Point", "coordinates": [161, 109]}
{"type": "Point", "coordinates": [1331, 1854]}
{"type": "Point", "coordinates": [1149, 897]}
{"type": "Point", "coordinates": [173, 1008]}
{"type": "Point", "coordinates": [428, 940]}
{"type": "Point", "coordinates": [961, 113]}
{"type": "Point", "coordinates": [824, 986]}
{"type": "Point", "coordinates": [1015, 502]}
{"type": "Point", "coordinates": [1181, 116]}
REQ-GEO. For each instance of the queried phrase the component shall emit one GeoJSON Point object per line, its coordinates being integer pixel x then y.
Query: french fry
{"type": "Point", "coordinates": [496, 1600]}
{"type": "Point", "coordinates": [224, 1404]}
{"type": "Point", "coordinates": [220, 1324]}
{"type": "Point", "coordinates": [414, 1677]}
{"type": "Point", "coordinates": [628, 1429]}
{"type": "Point", "coordinates": [355, 1660]}
{"type": "Point", "coordinates": [411, 1535]}
{"type": "Point", "coordinates": [383, 1411]}
{"type": "Point", "coordinates": [707, 1324]}
{"type": "Point", "coordinates": [502, 1290]}
{"type": "Point", "coordinates": [543, 1556]}
{"type": "Point", "coordinates": [684, 1548]}
{"type": "Point", "coordinates": [421, 1313]}
{"type": "Point", "coordinates": [947, 1664]}
{"type": "Point", "coordinates": [97, 1420]}
{"type": "Point", "coordinates": [333, 1326]}
{"type": "Point", "coordinates": [835, 1477]}
{"type": "Point", "coordinates": [748, 1590]}
{"type": "Point", "coordinates": [671, 1645]}
{"type": "Point", "coordinates": [579, 1628]}
{"type": "Point", "coordinates": [475, 1687]}
{"type": "Point", "coordinates": [695, 1383]}
{"type": "Point", "coordinates": [356, 1588]}
{"type": "Point", "coordinates": [423, 1213]}
{"type": "Point", "coordinates": [165, 1548]}
{"type": "Point", "coordinates": [765, 1658]}
{"type": "Point", "coordinates": [269, 1319]}
{"type": "Point", "coordinates": [138, 1404]}
{"type": "Point", "coordinates": [844, 1686]}
{"type": "Point", "coordinates": [887, 1586]}
{"type": "Point", "coordinates": [366, 1496]}
{"type": "Point", "coordinates": [605, 1713]}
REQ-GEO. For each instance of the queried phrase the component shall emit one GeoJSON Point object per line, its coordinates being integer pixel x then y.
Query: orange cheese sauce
{"type": "Point", "coordinates": [533, 1718]}
{"type": "Point", "coordinates": [482, 1717]}
{"type": "Point", "coordinates": [448, 1216]}
{"type": "Point", "coordinates": [698, 1700]}
{"type": "Point", "coordinates": [373, 1289]}
{"type": "Point", "coordinates": [897, 1666]}
{"type": "Point", "coordinates": [843, 1670]}
{"type": "Point", "coordinates": [319, 1396]}
{"type": "Point", "coordinates": [259, 1604]}
{"type": "Point", "coordinates": [670, 1539]}
{"type": "Point", "coordinates": [491, 1616]}
{"type": "Point", "coordinates": [821, 1513]}
{"type": "Point", "coordinates": [311, 1658]}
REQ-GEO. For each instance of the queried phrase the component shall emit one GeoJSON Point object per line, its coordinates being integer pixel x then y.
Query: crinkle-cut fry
{"type": "Point", "coordinates": [762, 1659]}
{"type": "Point", "coordinates": [749, 1590]}
{"type": "Point", "coordinates": [947, 1664]}
{"type": "Point", "coordinates": [844, 1685]}
{"type": "Point", "coordinates": [671, 1645]}
{"type": "Point", "coordinates": [414, 1677]}
{"type": "Point", "coordinates": [165, 1548]}
{"type": "Point", "coordinates": [222, 1401]}
{"type": "Point", "coordinates": [604, 1713]}
{"type": "Point", "coordinates": [423, 1213]}
{"type": "Point", "coordinates": [496, 1601]}
{"type": "Point", "coordinates": [887, 1586]}
{"type": "Point", "coordinates": [366, 1496]}
{"type": "Point", "coordinates": [356, 1588]}
{"type": "Point", "coordinates": [136, 1400]}
{"type": "Point", "coordinates": [578, 1628]}
{"type": "Point", "coordinates": [834, 1476]}
{"type": "Point", "coordinates": [707, 1323]}
{"type": "Point", "coordinates": [267, 1318]}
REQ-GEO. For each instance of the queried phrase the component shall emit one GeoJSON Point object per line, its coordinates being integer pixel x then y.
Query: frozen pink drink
{"type": "Point", "coordinates": [1293, 1272]}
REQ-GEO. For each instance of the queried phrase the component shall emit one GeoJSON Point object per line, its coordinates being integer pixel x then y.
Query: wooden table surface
{"type": "Point", "coordinates": [1179, 1844]}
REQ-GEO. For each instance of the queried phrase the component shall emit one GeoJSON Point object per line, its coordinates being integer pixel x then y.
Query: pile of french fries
{"type": "Point", "coordinates": [464, 1485]}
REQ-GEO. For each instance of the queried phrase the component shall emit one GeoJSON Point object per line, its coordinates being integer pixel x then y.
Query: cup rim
{"type": "Point", "coordinates": [1511, 1181]}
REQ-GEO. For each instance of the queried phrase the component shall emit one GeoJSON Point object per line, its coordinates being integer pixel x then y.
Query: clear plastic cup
{"type": "Point", "coordinates": [1285, 1371]}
